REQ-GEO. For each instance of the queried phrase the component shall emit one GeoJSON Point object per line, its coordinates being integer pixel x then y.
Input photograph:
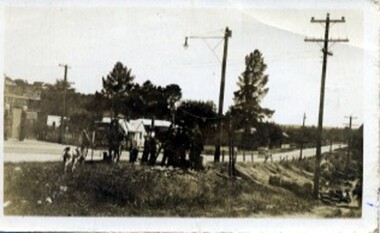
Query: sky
{"type": "Point", "coordinates": [149, 40]}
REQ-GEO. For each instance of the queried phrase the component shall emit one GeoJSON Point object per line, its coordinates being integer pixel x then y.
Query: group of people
{"type": "Point", "coordinates": [181, 146]}
{"type": "Point", "coordinates": [176, 144]}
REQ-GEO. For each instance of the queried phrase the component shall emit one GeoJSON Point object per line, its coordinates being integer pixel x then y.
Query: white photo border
{"type": "Point", "coordinates": [371, 206]}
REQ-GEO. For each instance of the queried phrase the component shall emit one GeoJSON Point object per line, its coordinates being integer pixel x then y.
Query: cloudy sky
{"type": "Point", "coordinates": [149, 39]}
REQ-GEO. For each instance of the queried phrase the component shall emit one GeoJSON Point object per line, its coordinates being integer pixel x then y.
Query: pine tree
{"type": "Point", "coordinates": [117, 87]}
{"type": "Point", "coordinates": [247, 111]}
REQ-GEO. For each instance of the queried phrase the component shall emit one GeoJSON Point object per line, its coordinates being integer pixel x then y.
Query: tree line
{"type": "Point", "coordinates": [122, 96]}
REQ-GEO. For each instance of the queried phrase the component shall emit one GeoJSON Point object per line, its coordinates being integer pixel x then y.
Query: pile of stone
{"type": "Point", "coordinates": [294, 186]}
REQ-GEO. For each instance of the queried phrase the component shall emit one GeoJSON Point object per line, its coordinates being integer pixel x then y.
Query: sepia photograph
{"type": "Point", "coordinates": [190, 111]}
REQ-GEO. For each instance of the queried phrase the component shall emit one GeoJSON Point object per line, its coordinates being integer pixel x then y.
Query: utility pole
{"type": "Point", "coordinates": [227, 34]}
{"type": "Point", "coordinates": [62, 125]}
{"type": "Point", "coordinates": [349, 138]}
{"type": "Point", "coordinates": [231, 150]}
{"type": "Point", "coordinates": [325, 52]}
{"type": "Point", "coordinates": [302, 135]}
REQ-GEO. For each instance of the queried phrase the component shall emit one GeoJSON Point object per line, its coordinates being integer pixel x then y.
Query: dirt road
{"type": "Point", "coordinates": [38, 151]}
{"type": "Point", "coordinates": [289, 155]}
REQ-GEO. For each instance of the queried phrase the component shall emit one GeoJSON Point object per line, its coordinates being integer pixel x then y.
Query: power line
{"type": "Point", "coordinates": [203, 118]}
{"type": "Point", "coordinates": [213, 50]}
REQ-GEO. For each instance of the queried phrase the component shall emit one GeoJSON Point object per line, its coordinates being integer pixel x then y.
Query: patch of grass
{"type": "Point", "coordinates": [122, 190]}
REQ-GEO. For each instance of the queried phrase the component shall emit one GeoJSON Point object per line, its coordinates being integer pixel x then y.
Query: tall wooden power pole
{"type": "Point", "coordinates": [62, 124]}
{"type": "Point", "coordinates": [302, 135]}
{"type": "Point", "coordinates": [325, 52]}
{"type": "Point", "coordinates": [349, 139]}
{"type": "Point", "coordinates": [227, 35]}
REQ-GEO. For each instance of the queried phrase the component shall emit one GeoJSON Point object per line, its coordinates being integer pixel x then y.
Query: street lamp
{"type": "Point", "coordinates": [227, 34]}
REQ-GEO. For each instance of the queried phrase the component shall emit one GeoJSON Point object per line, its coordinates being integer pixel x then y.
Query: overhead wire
{"type": "Point", "coordinates": [203, 118]}
{"type": "Point", "coordinates": [212, 50]}
{"type": "Point", "coordinates": [214, 31]}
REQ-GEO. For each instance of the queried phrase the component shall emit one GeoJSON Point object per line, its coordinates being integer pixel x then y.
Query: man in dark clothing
{"type": "Point", "coordinates": [144, 158]}
{"type": "Point", "coordinates": [196, 147]}
{"type": "Point", "coordinates": [152, 150]}
{"type": "Point", "coordinates": [169, 149]}
{"type": "Point", "coordinates": [133, 152]}
{"type": "Point", "coordinates": [114, 140]}
{"type": "Point", "coordinates": [181, 142]}
{"type": "Point", "coordinates": [166, 154]}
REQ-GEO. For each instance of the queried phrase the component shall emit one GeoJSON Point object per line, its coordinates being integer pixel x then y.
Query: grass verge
{"type": "Point", "coordinates": [41, 189]}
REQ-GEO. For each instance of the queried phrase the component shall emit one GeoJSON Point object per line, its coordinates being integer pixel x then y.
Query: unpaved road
{"type": "Point", "coordinates": [38, 151]}
{"type": "Point", "coordinates": [294, 154]}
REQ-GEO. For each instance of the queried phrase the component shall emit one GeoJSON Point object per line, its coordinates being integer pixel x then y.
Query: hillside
{"type": "Point", "coordinates": [100, 189]}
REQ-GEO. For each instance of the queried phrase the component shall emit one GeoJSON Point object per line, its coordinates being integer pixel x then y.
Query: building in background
{"type": "Point", "coordinates": [21, 106]}
{"type": "Point", "coordinates": [137, 129]}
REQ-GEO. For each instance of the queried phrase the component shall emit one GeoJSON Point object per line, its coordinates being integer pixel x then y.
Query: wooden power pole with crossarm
{"type": "Point", "coordinates": [325, 52]}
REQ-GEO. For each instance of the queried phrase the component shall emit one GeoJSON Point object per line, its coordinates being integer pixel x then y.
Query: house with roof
{"type": "Point", "coordinates": [137, 129]}
{"type": "Point", "coordinates": [123, 123]}
{"type": "Point", "coordinates": [137, 132]}
{"type": "Point", "coordinates": [159, 125]}
{"type": "Point", "coordinates": [134, 129]}
{"type": "Point", "coordinates": [21, 106]}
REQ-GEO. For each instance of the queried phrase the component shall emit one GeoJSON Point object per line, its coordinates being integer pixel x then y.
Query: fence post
{"type": "Point", "coordinates": [243, 155]}
{"type": "Point", "coordinates": [223, 156]}
{"type": "Point", "coordinates": [252, 158]}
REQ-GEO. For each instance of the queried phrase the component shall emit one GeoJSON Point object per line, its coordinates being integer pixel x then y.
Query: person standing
{"type": "Point", "coordinates": [133, 153]}
{"type": "Point", "coordinates": [84, 143]}
{"type": "Point", "coordinates": [182, 145]}
{"type": "Point", "coordinates": [152, 150]}
{"type": "Point", "coordinates": [115, 139]}
{"type": "Point", "coordinates": [169, 149]}
{"type": "Point", "coordinates": [144, 158]}
{"type": "Point", "coordinates": [196, 148]}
